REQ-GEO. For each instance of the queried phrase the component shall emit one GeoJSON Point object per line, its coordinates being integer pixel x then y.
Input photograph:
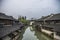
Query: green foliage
{"type": "Point", "coordinates": [23, 20]}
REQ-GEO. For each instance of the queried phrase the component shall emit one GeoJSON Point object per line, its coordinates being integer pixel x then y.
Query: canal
{"type": "Point", "coordinates": [30, 33]}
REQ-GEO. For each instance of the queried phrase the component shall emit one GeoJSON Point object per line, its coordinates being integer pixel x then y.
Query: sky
{"type": "Point", "coordinates": [29, 8]}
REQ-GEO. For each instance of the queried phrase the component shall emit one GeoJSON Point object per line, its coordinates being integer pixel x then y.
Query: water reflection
{"type": "Point", "coordinates": [30, 33]}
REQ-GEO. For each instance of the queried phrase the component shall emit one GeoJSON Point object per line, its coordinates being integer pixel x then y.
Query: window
{"type": "Point", "coordinates": [58, 33]}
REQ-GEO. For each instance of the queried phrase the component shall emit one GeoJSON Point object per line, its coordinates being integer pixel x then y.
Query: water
{"type": "Point", "coordinates": [32, 34]}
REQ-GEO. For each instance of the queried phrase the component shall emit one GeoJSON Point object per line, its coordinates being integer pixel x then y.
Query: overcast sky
{"type": "Point", "coordinates": [29, 8]}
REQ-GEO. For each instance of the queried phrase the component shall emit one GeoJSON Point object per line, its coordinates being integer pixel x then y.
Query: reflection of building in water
{"type": "Point", "coordinates": [41, 36]}
{"type": "Point", "coordinates": [50, 25]}
{"type": "Point", "coordinates": [22, 33]}
{"type": "Point", "coordinates": [29, 34]}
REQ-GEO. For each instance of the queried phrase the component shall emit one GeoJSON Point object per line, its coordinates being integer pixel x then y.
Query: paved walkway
{"type": "Point", "coordinates": [56, 37]}
{"type": "Point", "coordinates": [47, 32]}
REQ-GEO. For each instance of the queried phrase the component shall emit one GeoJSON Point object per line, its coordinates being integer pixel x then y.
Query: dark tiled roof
{"type": "Point", "coordinates": [8, 29]}
{"type": "Point", "coordinates": [3, 16]}
{"type": "Point", "coordinates": [55, 17]}
{"type": "Point", "coordinates": [42, 19]}
{"type": "Point", "coordinates": [57, 27]}
{"type": "Point", "coordinates": [49, 25]}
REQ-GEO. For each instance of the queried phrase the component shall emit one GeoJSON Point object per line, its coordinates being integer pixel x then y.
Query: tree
{"type": "Point", "coordinates": [22, 19]}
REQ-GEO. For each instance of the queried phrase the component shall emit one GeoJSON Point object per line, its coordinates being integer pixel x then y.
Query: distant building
{"type": "Point", "coordinates": [32, 22]}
